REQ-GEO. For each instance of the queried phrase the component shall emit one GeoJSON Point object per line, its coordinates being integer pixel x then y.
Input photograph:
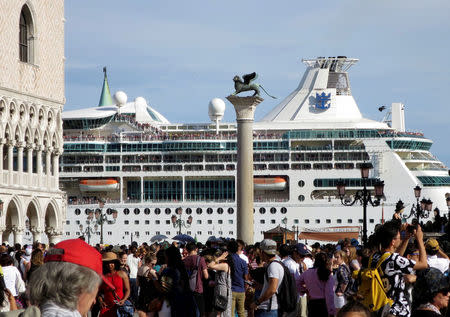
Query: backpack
{"type": "Point", "coordinates": [287, 292]}
{"type": "Point", "coordinates": [192, 274]}
{"type": "Point", "coordinates": [371, 292]}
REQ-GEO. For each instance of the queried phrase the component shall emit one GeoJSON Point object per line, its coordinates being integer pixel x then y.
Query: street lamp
{"type": "Point", "coordinates": [284, 222]}
{"type": "Point", "coordinates": [364, 196]}
{"type": "Point", "coordinates": [178, 222]}
{"type": "Point", "coordinates": [91, 225]}
{"type": "Point", "coordinates": [422, 208]}
{"type": "Point", "coordinates": [296, 231]}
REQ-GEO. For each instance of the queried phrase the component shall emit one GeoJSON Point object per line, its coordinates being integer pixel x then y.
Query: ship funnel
{"type": "Point", "coordinates": [398, 116]}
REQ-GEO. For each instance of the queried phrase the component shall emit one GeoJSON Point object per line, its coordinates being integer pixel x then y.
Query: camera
{"type": "Point", "coordinates": [413, 226]}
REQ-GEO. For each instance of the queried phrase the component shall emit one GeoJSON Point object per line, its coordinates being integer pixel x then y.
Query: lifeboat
{"type": "Point", "coordinates": [99, 185]}
{"type": "Point", "coordinates": [269, 183]}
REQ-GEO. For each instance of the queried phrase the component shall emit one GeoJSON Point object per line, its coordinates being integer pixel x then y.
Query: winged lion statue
{"type": "Point", "coordinates": [248, 84]}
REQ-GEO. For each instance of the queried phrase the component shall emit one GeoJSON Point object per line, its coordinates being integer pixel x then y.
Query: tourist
{"type": "Point", "coordinates": [11, 275]}
{"type": "Point", "coordinates": [24, 259]}
{"type": "Point", "coordinates": [36, 261]}
{"type": "Point", "coordinates": [430, 293]}
{"type": "Point", "coordinates": [223, 265]}
{"type": "Point", "coordinates": [123, 256]}
{"type": "Point", "coordinates": [353, 309]}
{"type": "Point", "coordinates": [342, 278]}
{"type": "Point", "coordinates": [266, 305]}
{"type": "Point", "coordinates": [7, 300]}
{"type": "Point", "coordinates": [319, 285]}
{"type": "Point", "coordinates": [145, 280]}
{"type": "Point", "coordinates": [195, 264]}
{"type": "Point", "coordinates": [240, 251]}
{"type": "Point", "coordinates": [435, 256]}
{"type": "Point", "coordinates": [110, 298]}
{"type": "Point", "coordinates": [298, 255]}
{"type": "Point", "coordinates": [238, 277]}
{"type": "Point", "coordinates": [134, 262]}
{"type": "Point", "coordinates": [174, 287]}
{"type": "Point", "coordinates": [67, 283]}
{"type": "Point", "coordinates": [396, 266]}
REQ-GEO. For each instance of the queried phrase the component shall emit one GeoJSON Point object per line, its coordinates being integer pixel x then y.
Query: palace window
{"type": "Point", "coordinates": [26, 37]}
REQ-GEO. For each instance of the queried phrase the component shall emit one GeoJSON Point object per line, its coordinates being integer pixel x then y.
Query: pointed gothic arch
{"type": "Point", "coordinates": [14, 219]}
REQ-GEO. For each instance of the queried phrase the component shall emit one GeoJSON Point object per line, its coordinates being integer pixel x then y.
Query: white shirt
{"type": "Point", "coordinates": [13, 280]}
{"type": "Point", "coordinates": [308, 262]}
{"type": "Point", "coordinates": [274, 270]}
{"type": "Point", "coordinates": [293, 267]}
{"type": "Point", "coordinates": [133, 263]}
{"type": "Point", "coordinates": [439, 263]}
{"type": "Point", "coordinates": [243, 257]}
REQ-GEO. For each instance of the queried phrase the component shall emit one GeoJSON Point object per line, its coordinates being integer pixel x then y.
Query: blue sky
{"type": "Point", "coordinates": [179, 55]}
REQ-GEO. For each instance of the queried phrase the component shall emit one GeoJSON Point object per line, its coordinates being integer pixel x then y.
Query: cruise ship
{"type": "Point", "coordinates": [127, 160]}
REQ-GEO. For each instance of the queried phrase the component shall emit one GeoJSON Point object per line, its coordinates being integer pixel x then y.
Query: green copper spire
{"type": "Point", "coordinates": [105, 97]}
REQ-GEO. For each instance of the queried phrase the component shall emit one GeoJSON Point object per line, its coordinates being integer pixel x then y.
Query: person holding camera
{"type": "Point", "coordinates": [395, 266]}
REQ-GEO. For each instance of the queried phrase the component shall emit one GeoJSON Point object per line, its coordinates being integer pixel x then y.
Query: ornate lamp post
{"type": "Point", "coordinates": [91, 226]}
{"type": "Point", "coordinates": [363, 196]}
{"type": "Point", "coordinates": [295, 229]}
{"type": "Point", "coordinates": [178, 222]}
{"type": "Point", "coordinates": [284, 222]}
{"type": "Point", "coordinates": [420, 209]}
{"type": "Point", "coordinates": [102, 218]}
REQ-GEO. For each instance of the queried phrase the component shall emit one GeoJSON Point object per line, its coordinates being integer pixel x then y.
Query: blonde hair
{"type": "Point", "coordinates": [352, 253]}
{"type": "Point", "coordinates": [343, 255]}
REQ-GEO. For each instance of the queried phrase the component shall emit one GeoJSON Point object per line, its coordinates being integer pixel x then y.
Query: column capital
{"type": "Point", "coordinates": [30, 146]}
{"type": "Point", "coordinates": [11, 142]}
{"type": "Point", "coordinates": [20, 144]}
{"type": "Point", "coordinates": [39, 147]}
{"type": "Point", "coordinates": [36, 230]}
{"type": "Point", "coordinates": [245, 106]}
{"type": "Point", "coordinates": [50, 231]}
{"type": "Point", "coordinates": [16, 229]}
{"type": "Point", "coordinates": [49, 149]}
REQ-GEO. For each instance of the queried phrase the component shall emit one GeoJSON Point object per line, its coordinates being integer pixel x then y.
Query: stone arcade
{"type": "Point", "coordinates": [31, 102]}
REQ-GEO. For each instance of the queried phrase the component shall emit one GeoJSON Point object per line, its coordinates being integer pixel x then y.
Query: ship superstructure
{"type": "Point", "coordinates": [129, 155]}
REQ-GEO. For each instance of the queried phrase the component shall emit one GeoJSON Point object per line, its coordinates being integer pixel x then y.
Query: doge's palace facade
{"type": "Point", "coordinates": [32, 208]}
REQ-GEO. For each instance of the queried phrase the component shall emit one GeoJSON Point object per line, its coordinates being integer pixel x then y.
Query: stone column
{"type": "Point", "coordinates": [10, 161]}
{"type": "Point", "coordinates": [48, 165]}
{"type": "Point", "coordinates": [37, 234]}
{"type": "Point", "coordinates": [18, 234]}
{"type": "Point", "coordinates": [20, 147]}
{"type": "Point", "coordinates": [1, 156]}
{"type": "Point", "coordinates": [245, 113]}
{"type": "Point", "coordinates": [56, 164]}
{"type": "Point", "coordinates": [2, 228]}
{"type": "Point", "coordinates": [39, 160]}
{"type": "Point", "coordinates": [30, 164]}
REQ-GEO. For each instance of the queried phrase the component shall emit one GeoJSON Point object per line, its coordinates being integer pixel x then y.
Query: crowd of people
{"type": "Point", "coordinates": [397, 273]}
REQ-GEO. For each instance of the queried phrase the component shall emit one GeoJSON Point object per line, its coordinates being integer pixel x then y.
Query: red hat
{"type": "Point", "coordinates": [77, 251]}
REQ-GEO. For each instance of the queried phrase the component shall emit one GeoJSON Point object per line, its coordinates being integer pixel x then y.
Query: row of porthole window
{"type": "Point", "coordinates": [188, 211]}
{"type": "Point", "coordinates": [307, 221]}
{"type": "Point", "coordinates": [168, 222]}
{"type": "Point", "coordinates": [147, 233]}
{"type": "Point", "coordinates": [158, 222]}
